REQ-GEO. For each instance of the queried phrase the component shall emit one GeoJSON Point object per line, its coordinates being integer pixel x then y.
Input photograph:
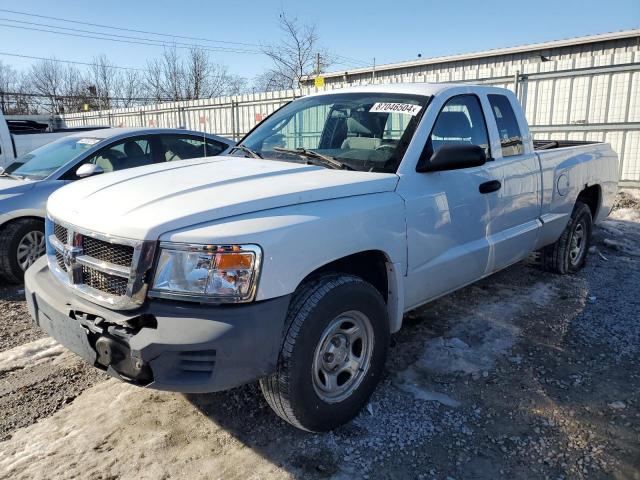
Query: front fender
{"type": "Point", "coordinates": [299, 239]}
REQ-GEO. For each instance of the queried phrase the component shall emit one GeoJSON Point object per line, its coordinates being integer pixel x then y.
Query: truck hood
{"type": "Point", "coordinates": [143, 203]}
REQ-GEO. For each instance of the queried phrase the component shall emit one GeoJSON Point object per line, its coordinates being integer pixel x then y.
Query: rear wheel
{"type": "Point", "coordinates": [333, 353]}
{"type": "Point", "coordinates": [569, 253]}
{"type": "Point", "coordinates": [22, 242]}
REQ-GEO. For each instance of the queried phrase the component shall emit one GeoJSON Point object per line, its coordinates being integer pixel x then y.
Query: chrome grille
{"type": "Point", "coordinates": [60, 233]}
{"type": "Point", "coordinates": [60, 261]}
{"type": "Point", "coordinates": [109, 271]}
{"type": "Point", "coordinates": [111, 284]}
{"type": "Point", "coordinates": [108, 252]}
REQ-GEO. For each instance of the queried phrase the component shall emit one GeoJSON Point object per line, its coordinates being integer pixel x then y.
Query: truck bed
{"type": "Point", "coordinates": [551, 144]}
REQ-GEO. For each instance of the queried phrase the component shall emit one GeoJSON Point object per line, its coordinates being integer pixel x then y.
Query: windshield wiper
{"type": "Point", "coordinates": [14, 177]}
{"type": "Point", "coordinates": [326, 160]}
{"type": "Point", "coordinates": [246, 150]}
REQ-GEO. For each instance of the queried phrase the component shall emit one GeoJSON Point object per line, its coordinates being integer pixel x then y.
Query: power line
{"type": "Point", "coordinates": [161, 44]}
{"type": "Point", "coordinates": [353, 61]}
{"type": "Point", "coordinates": [82, 97]}
{"type": "Point", "coordinates": [56, 60]}
{"type": "Point", "coordinates": [129, 29]}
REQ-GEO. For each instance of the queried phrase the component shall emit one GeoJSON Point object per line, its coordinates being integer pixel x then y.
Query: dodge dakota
{"type": "Point", "coordinates": [291, 260]}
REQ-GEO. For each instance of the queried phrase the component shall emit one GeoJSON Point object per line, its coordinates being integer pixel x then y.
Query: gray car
{"type": "Point", "coordinates": [25, 189]}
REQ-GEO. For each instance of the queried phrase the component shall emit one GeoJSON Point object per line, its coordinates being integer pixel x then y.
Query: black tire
{"type": "Point", "coordinates": [10, 237]}
{"type": "Point", "coordinates": [560, 257]}
{"type": "Point", "coordinates": [291, 391]}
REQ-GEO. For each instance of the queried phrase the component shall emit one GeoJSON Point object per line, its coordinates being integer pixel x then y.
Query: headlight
{"type": "Point", "coordinates": [207, 273]}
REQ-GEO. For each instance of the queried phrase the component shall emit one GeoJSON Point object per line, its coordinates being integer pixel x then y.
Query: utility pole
{"type": "Point", "coordinates": [373, 72]}
{"type": "Point", "coordinates": [318, 64]}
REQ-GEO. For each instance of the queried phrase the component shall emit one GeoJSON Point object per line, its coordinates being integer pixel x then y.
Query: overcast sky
{"type": "Point", "coordinates": [390, 31]}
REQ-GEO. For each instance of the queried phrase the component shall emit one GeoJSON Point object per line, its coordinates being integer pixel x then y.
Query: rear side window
{"type": "Point", "coordinates": [182, 147]}
{"type": "Point", "coordinates": [510, 136]}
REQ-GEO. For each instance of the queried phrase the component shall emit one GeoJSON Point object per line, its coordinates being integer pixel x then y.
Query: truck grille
{"type": "Point", "coordinates": [111, 272]}
{"type": "Point", "coordinates": [108, 252]}
{"type": "Point", "coordinates": [60, 261]}
{"type": "Point", "coordinates": [111, 284]}
{"type": "Point", "coordinates": [60, 233]}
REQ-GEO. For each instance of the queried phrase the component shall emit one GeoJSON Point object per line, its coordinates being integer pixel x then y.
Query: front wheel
{"type": "Point", "coordinates": [22, 242]}
{"type": "Point", "coordinates": [333, 353]}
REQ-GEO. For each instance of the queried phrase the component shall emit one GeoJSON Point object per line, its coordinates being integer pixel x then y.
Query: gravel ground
{"type": "Point", "coordinates": [14, 330]}
{"type": "Point", "coordinates": [522, 375]}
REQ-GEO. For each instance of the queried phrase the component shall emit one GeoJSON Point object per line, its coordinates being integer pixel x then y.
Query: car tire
{"type": "Point", "coordinates": [333, 354]}
{"type": "Point", "coordinates": [24, 238]}
{"type": "Point", "coordinates": [569, 253]}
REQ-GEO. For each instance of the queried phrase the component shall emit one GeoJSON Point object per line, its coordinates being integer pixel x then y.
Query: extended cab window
{"type": "Point", "coordinates": [460, 121]}
{"type": "Point", "coordinates": [510, 136]}
{"type": "Point", "coordinates": [182, 147]}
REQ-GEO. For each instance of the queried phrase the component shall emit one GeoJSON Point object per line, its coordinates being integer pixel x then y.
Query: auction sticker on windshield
{"type": "Point", "coordinates": [406, 108]}
{"type": "Point", "coordinates": [88, 141]}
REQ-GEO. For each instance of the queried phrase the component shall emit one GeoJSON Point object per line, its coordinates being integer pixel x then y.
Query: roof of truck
{"type": "Point", "coordinates": [422, 88]}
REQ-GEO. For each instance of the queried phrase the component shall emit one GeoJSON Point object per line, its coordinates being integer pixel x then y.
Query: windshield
{"type": "Point", "coordinates": [363, 131]}
{"type": "Point", "coordinates": [45, 160]}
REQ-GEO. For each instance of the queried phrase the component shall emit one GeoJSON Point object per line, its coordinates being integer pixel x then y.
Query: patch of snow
{"type": "Point", "coordinates": [408, 381]}
{"type": "Point", "coordinates": [32, 353]}
{"type": "Point", "coordinates": [632, 192]}
{"type": "Point", "coordinates": [115, 430]}
{"type": "Point", "coordinates": [475, 342]}
{"type": "Point", "coordinates": [626, 214]}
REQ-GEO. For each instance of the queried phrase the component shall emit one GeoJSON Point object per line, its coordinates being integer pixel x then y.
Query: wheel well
{"type": "Point", "coordinates": [370, 266]}
{"type": "Point", "coordinates": [591, 196]}
{"type": "Point", "coordinates": [4, 225]}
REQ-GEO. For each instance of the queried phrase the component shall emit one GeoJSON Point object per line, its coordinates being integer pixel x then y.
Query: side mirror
{"type": "Point", "coordinates": [453, 157]}
{"type": "Point", "coordinates": [88, 170]}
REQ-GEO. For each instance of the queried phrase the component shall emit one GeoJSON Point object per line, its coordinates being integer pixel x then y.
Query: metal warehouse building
{"type": "Point", "coordinates": [585, 88]}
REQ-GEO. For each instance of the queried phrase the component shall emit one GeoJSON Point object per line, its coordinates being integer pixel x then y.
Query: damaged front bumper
{"type": "Point", "coordinates": [164, 345]}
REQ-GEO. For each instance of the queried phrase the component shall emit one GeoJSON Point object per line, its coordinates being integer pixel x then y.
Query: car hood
{"type": "Point", "coordinates": [11, 186]}
{"type": "Point", "coordinates": [143, 203]}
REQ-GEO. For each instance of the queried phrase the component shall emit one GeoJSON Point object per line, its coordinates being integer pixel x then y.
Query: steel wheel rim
{"type": "Point", "coordinates": [342, 357]}
{"type": "Point", "coordinates": [577, 244]}
{"type": "Point", "coordinates": [30, 248]}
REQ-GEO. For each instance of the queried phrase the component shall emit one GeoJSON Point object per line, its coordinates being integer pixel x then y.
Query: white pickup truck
{"type": "Point", "coordinates": [17, 143]}
{"type": "Point", "coordinates": [292, 260]}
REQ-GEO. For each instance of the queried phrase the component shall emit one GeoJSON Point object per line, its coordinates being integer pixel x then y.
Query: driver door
{"type": "Point", "coordinates": [447, 216]}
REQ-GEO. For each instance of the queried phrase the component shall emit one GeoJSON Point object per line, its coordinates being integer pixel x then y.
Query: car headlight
{"type": "Point", "coordinates": [207, 273]}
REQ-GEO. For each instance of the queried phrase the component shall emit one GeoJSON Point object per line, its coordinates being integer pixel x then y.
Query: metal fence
{"type": "Point", "coordinates": [593, 98]}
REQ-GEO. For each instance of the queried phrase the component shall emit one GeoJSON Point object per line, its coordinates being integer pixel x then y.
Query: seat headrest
{"type": "Point", "coordinates": [132, 149]}
{"type": "Point", "coordinates": [355, 126]}
{"type": "Point", "coordinates": [452, 125]}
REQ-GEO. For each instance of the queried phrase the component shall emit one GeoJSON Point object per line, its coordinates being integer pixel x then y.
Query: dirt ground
{"type": "Point", "coordinates": [522, 375]}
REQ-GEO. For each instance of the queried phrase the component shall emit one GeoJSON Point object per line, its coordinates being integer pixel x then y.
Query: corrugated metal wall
{"type": "Point", "coordinates": [581, 93]}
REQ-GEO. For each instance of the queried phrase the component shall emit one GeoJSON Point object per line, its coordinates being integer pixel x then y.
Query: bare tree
{"type": "Point", "coordinates": [197, 76]}
{"type": "Point", "coordinates": [23, 102]}
{"type": "Point", "coordinates": [295, 56]}
{"type": "Point", "coordinates": [46, 79]}
{"type": "Point", "coordinates": [8, 85]}
{"type": "Point", "coordinates": [101, 81]}
{"type": "Point", "coordinates": [128, 86]}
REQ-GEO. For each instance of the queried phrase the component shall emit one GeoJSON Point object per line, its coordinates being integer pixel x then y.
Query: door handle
{"type": "Point", "coordinates": [492, 186]}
